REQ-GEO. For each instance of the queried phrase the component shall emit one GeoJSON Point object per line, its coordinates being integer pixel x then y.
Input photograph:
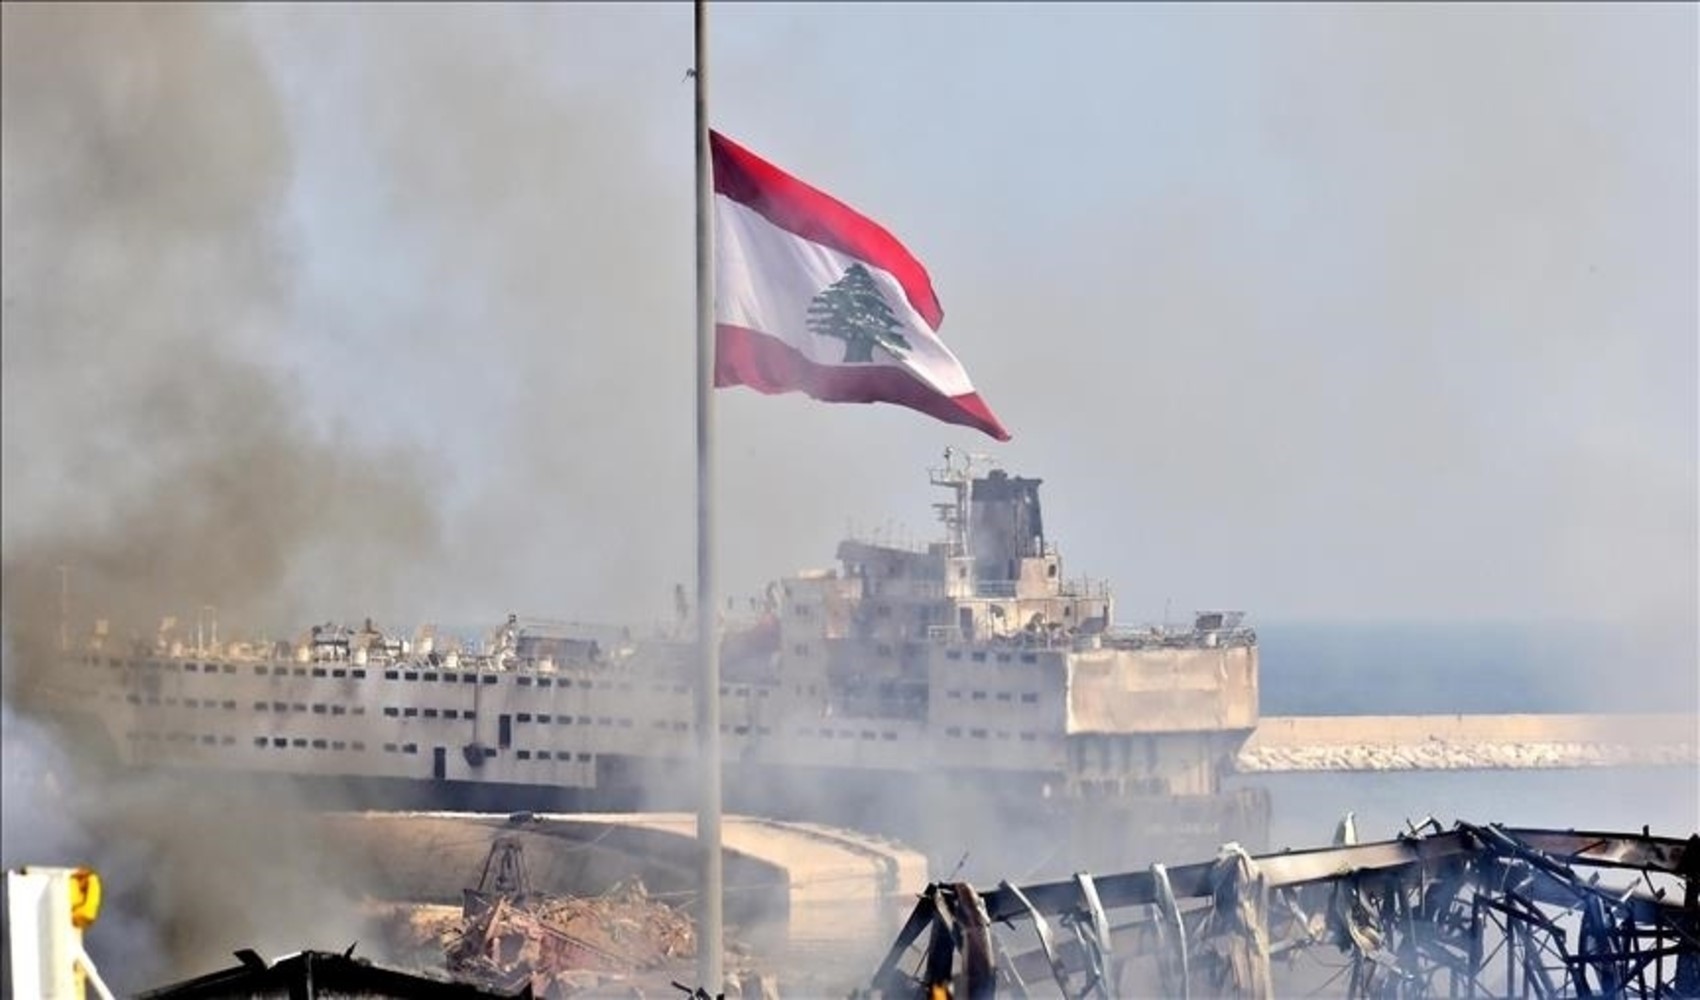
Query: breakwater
{"type": "Point", "coordinates": [1469, 742]}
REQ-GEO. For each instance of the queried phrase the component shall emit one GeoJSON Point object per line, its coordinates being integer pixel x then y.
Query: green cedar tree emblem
{"type": "Point", "coordinates": [852, 309]}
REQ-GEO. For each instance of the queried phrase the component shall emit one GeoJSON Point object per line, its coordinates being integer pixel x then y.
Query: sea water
{"type": "Point", "coordinates": [1446, 668]}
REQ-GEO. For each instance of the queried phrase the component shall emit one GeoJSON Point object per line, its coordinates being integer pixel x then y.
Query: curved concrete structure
{"type": "Point", "coordinates": [816, 883]}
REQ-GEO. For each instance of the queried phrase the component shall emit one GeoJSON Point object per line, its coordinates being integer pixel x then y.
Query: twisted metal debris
{"type": "Point", "coordinates": [1475, 911]}
{"type": "Point", "coordinates": [512, 936]}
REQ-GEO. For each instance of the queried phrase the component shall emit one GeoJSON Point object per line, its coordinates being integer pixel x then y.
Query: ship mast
{"type": "Point", "coordinates": [956, 513]}
{"type": "Point", "coordinates": [64, 608]}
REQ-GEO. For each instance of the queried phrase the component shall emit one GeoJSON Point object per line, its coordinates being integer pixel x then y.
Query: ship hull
{"type": "Point", "coordinates": [983, 825]}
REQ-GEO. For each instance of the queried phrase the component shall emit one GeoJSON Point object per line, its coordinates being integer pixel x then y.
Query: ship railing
{"type": "Point", "coordinates": [890, 541]}
{"type": "Point", "coordinates": [1155, 637]}
{"type": "Point", "coordinates": [1086, 588]}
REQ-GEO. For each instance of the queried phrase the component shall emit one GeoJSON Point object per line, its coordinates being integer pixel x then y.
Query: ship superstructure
{"type": "Point", "coordinates": [972, 662]}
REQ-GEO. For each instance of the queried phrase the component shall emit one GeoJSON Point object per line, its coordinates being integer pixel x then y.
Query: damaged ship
{"type": "Point", "coordinates": [917, 692]}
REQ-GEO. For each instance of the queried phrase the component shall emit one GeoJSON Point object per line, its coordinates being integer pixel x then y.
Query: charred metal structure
{"type": "Point", "coordinates": [1475, 911]}
{"type": "Point", "coordinates": [316, 975]}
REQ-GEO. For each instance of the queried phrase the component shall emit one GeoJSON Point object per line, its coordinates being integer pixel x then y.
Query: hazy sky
{"type": "Point", "coordinates": [1320, 311]}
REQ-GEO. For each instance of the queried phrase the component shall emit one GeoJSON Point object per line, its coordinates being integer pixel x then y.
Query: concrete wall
{"type": "Point", "coordinates": [1150, 764]}
{"type": "Point", "coordinates": [1163, 690]}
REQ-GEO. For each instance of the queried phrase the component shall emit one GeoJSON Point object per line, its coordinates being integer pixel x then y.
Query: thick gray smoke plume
{"type": "Point", "coordinates": [152, 451]}
{"type": "Point", "coordinates": [530, 167]}
{"type": "Point", "coordinates": [150, 445]}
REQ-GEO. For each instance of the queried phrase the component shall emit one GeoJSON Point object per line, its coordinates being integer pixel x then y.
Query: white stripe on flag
{"type": "Point", "coordinates": [766, 277]}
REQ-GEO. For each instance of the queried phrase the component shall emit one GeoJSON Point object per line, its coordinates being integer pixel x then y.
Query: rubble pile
{"type": "Point", "coordinates": [565, 945]}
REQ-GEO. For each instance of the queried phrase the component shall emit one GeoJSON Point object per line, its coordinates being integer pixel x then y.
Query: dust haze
{"type": "Point", "coordinates": [152, 451]}
{"type": "Point", "coordinates": [1295, 322]}
{"type": "Point", "coordinates": [1326, 313]}
{"type": "Point", "coordinates": [1366, 314]}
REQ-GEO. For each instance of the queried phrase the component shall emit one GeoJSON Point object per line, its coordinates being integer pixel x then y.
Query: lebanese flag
{"type": "Point", "coordinates": [813, 297]}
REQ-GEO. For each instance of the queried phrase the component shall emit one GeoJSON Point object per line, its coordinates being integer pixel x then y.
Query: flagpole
{"type": "Point", "coordinates": [710, 951]}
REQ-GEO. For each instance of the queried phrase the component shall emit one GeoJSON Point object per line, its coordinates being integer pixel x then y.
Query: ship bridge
{"type": "Point", "coordinates": [993, 575]}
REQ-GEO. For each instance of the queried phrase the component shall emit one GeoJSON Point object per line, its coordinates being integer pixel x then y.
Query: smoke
{"type": "Point", "coordinates": [151, 443]}
{"type": "Point", "coordinates": [1319, 312]}
{"type": "Point", "coordinates": [531, 168]}
{"type": "Point", "coordinates": [529, 196]}
{"type": "Point", "coordinates": [193, 866]}
{"type": "Point", "coordinates": [1304, 326]}
{"type": "Point", "coordinates": [38, 781]}
{"type": "Point", "coordinates": [155, 453]}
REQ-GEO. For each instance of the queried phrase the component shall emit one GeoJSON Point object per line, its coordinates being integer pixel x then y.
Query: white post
{"type": "Point", "coordinates": [44, 936]}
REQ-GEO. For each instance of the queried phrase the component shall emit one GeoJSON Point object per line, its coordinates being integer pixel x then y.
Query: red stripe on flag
{"type": "Point", "coordinates": [820, 218]}
{"type": "Point", "coordinates": [769, 365]}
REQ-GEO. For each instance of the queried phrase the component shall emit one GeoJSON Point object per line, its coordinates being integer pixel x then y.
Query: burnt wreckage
{"type": "Point", "coordinates": [1475, 911]}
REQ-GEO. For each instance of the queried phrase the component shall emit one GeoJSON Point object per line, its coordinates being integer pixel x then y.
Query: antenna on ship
{"type": "Point", "coordinates": [64, 608]}
{"type": "Point", "coordinates": [206, 616]}
{"type": "Point", "coordinates": [953, 514]}
{"type": "Point", "coordinates": [959, 479]}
